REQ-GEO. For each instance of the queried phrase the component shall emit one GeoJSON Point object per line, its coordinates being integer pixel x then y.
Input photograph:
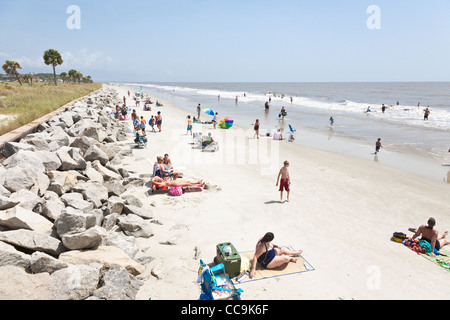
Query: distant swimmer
{"type": "Point", "coordinates": [426, 113]}
{"type": "Point", "coordinates": [331, 121]}
{"type": "Point", "coordinates": [378, 146]}
{"type": "Point", "coordinates": [283, 113]}
{"type": "Point", "coordinates": [383, 108]}
{"type": "Point", "coordinates": [266, 106]}
{"type": "Point", "coordinates": [368, 109]}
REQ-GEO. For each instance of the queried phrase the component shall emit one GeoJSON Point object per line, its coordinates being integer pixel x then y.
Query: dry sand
{"type": "Point", "coordinates": [342, 214]}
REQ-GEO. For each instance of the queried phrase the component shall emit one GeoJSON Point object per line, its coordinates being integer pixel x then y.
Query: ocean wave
{"type": "Point", "coordinates": [401, 114]}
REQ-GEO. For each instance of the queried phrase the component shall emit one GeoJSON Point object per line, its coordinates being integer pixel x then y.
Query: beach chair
{"type": "Point", "coordinates": [209, 145]}
{"type": "Point", "coordinates": [141, 141]}
{"type": "Point", "coordinates": [215, 284]}
{"type": "Point", "coordinates": [292, 130]}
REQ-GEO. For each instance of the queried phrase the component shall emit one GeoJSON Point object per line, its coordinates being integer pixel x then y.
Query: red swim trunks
{"type": "Point", "coordinates": [284, 183]}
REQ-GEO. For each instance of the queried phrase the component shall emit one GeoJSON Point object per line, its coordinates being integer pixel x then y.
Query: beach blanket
{"type": "Point", "coordinates": [287, 269]}
{"type": "Point", "coordinates": [421, 248]}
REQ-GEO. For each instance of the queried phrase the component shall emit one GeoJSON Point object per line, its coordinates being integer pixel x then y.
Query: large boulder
{"type": "Point", "coordinates": [106, 255]}
{"type": "Point", "coordinates": [9, 256]}
{"type": "Point", "coordinates": [133, 225]}
{"type": "Point", "coordinates": [73, 221]}
{"type": "Point", "coordinates": [90, 238]}
{"type": "Point", "coordinates": [61, 182]}
{"type": "Point", "coordinates": [42, 262]}
{"type": "Point", "coordinates": [11, 148]}
{"type": "Point", "coordinates": [21, 218]}
{"type": "Point", "coordinates": [95, 153]}
{"type": "Point", "coordinates": [32, 240]}
{"type": "Point", "coordinates": [20, 285]}
{"type": "Point", "coordinates": [76, 282]}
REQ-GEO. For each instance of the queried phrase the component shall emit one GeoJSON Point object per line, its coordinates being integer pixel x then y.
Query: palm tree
{"type": "Point", "coordinates": [54, 58]}
{"type": "Point", "coordinates": [72, 73]}
{"type": "Point", "coordinates": [11, 67]}
{"type": "Point", "coordinates": [79, 76]}
{"type": "Point", "coordinates": [28, 78]}
{"type": "Point", "coordinates": [63, 76]}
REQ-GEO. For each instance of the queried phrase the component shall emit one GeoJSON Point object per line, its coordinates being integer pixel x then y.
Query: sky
{"type": "Point", "coordinates": [232, 41]}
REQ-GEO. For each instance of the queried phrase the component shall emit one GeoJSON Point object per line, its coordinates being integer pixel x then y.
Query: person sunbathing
{"type": "Point", "coordinates": [177, 183]}
{"type": "Point", "coordinates": [270, 255]}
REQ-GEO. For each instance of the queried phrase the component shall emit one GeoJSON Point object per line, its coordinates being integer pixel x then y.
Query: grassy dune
{"type": "Point", "coordinates": [26, 103]}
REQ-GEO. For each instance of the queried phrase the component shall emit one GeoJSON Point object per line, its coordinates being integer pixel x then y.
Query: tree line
{"type": "Point", "coordinates": [53, 58]}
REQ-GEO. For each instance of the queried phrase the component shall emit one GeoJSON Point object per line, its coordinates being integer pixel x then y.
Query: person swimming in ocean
{"type": "Point", "coordinates": [270, 255]}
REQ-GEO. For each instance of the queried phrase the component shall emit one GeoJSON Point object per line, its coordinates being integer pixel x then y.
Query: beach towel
{"type": "Point", "coordinates": [302, 265]}
{"type": "Point", "coordinates": [423, 248]}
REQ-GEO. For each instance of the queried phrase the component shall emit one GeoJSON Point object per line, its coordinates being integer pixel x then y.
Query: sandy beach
{"type": "Point", "coordinates": [342, 213]}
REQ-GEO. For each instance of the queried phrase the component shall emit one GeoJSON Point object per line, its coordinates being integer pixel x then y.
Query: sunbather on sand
{"type": "Point", "coordinates": [431, 235]}
{"type": "Point", "coordinates": [270, 255]}
{"type": "Point", "coordinates": [177, 183]}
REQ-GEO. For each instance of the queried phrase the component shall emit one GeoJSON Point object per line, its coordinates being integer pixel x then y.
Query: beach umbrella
{"type": "Point", "coordinates": [226, 123]}
{"type": "Point", "coordinates": [209, 111]}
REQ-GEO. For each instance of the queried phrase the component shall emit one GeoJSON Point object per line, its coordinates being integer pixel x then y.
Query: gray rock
{"type": "Point", "coordinates": [26, 286]}
{"type": "Point", "coordinates": [115, 188]}
{"type": "Point", "coordinates": [21, 218]}
{"type": "Point", "coordinates": [67, 162]}
{"type": "Point", "coordinates": [82, 143]}
{"type": "Point", "coordinates": [93, 191]}
{"type": "Point", "coordinates": [75, 200]}
{"type": "Point", "coordinates": [11, 148]}
{"type": "Point", "coordinates": [132, 200]}
{"type": "Point", "coordinates": [32, 240]}
{"type": "Point", "coordinates": [61, 182]}
{"type": "Point", "coordinates": [9, 256]}
{"type": "Point", "coordinates": [6, 203]}
{"type": "Point", "coordinates": [90, 238]}
{"type": "Point", "coordinates": [52, 209]}
{"type": "Point", "coordinates": [95, 153]}
{"type": "Point", "coordinates": [117, 284]}
{"type": "Point", "coordinates": [76, 282]}
{"type": "Point", "coordinates": [73, 221]}
{"type": "Point", "coordinates": [133, 225]}
{"type": "Point", "coordinates": [130, 209]}
{"type": "Point", "coordinates": [42, 262]}
{"type": "Point", "coordinates": [28, 200]}
{"type": "Point", "coordinates": [107, 174]}
{"type": "Point", "coordinates": [126, 243]}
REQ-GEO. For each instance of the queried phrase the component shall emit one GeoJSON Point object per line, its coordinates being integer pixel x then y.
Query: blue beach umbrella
{"type": "Point", "coordinates": [209, 112]}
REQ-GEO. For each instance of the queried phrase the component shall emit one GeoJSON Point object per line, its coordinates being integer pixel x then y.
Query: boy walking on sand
{"type": "Point", "coordinates": [284, 183]}
{"type": "Point", "coordinates": [378, 146]}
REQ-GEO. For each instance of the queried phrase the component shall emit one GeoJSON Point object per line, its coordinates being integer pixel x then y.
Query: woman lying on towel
{"type": "Point", "coordinates": [177, 183]}
{"type": "Point", "coordinates": [270, 255]}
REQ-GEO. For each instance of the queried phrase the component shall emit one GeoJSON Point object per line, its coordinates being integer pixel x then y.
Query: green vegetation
{"type": "Point", "coordinates": [53, 57]}
{"type": "Point", "coordinates": [28, 103]}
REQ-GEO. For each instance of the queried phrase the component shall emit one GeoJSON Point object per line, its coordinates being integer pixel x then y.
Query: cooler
{"type": "Point", "coordinates": [232, 262]}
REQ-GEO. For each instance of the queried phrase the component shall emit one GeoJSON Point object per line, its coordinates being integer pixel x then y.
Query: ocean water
{"type": "Point", "coordinates": [419, 145]}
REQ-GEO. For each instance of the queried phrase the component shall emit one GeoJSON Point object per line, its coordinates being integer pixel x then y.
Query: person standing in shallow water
{"type": "Point", "coordinates": [378, 146]}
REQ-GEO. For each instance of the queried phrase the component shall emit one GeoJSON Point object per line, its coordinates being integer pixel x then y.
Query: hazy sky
{"type": "Point", "coordinates": [232, 41]}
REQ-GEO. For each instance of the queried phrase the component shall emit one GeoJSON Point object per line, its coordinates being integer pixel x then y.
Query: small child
{"type": "Point", "coordinates": [284, 183]}
{"type": "Point", "coordinates": [378, 146]}
{"type": "Point", "coordinates": [189, 125]}
{"type": "Point", "coordinates": [143, 123]}
{"type": "Point", "coordinates": [152, 123]}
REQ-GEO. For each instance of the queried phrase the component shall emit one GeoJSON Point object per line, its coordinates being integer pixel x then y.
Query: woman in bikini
{"type": "Point", "coordinates": [271, 256]}
{"type": "Point", "coordinates": [177, 183]}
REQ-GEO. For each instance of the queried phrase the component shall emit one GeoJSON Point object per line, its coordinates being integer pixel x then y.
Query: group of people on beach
{"type": "Point", "coordinates": [140, 124]}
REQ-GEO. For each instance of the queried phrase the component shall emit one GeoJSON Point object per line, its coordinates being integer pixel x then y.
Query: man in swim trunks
{"type": "Point", "coordinates": [270, 256]}
{"type": "Point", "coordinates": [430, 235]}
{"type": "Point", "coordinates": [285, 181]}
